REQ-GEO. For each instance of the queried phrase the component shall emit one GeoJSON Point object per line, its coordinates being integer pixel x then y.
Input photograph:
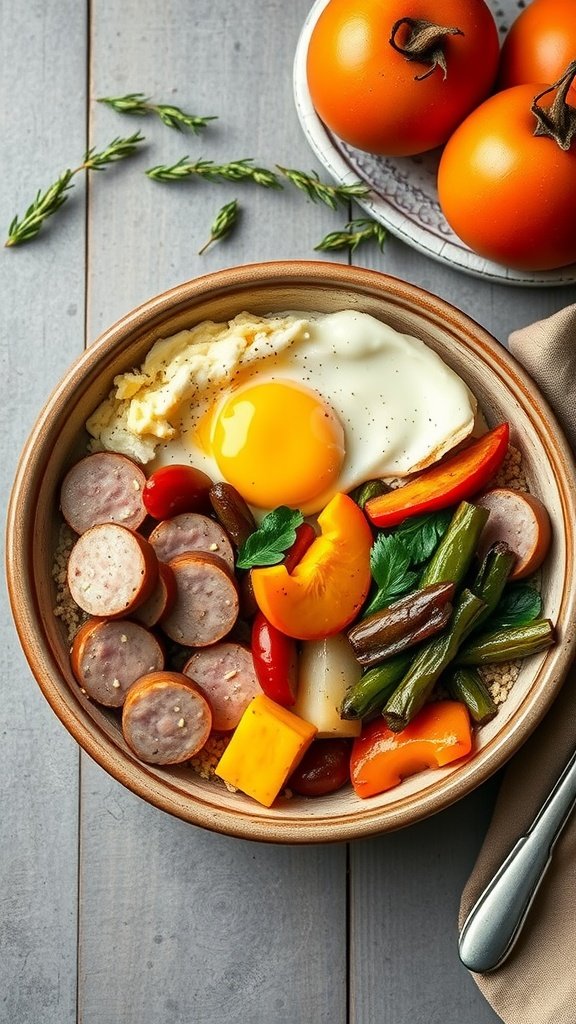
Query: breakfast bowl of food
{"type": "Point", "coordinates": [290, 552]}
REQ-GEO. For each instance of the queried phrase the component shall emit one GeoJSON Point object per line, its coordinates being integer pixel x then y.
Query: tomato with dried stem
{"type": "Point", "coordinates": [506, 177]}
{"type": "Point", "coordinates": [397, 76]}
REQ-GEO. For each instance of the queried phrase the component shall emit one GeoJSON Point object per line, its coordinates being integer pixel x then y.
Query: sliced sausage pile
{"type": "Point", "coordinates": [177, 582]}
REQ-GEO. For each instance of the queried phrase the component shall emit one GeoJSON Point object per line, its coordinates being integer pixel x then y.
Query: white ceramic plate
{"type": "Point", "coordinates": [403, 190]}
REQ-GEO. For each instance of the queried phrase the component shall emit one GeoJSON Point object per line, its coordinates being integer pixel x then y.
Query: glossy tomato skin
{"type": "Point", "coordinates": [367, 93]}
{"type": "Point", "coordinates": [275, 661]}
{"type": "Point", "coordinates": [508, 194]}
{"type": "Point", "coordinates": [172, 490]}
{"type": "Point", "coordinates": [540, 45]}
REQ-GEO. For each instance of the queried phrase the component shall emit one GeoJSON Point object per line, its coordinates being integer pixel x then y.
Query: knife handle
{"type": "Point", "coordinates": [495, 921]}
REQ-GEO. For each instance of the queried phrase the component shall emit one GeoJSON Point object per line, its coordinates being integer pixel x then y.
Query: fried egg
{"type": "Point", "coordinates": [308, 405]}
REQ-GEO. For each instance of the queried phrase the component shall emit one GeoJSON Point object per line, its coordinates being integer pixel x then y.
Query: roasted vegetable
{"type": "Point", "coordinates": [380, 758]}
{"type": "Point", "coordinates": [456, 550]}
{"type": "Point", "coordinates": [428, 665]}
{"type": "Point", "coordinates": [452, 480]}
{"type": "Point", "coordinates": [508, 644]}
{"type": "Point", "coordinates": [403, 624]}
{"type": "Point", "coordinates": [374, 688]}
{"type": "Point", "coordinates": [492, 577]}
{"type": "Point", "coordinates": [465, 685]}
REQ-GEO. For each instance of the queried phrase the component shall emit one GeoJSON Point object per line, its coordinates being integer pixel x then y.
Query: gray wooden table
{"type": "Point", "coordinates": [111, 911]}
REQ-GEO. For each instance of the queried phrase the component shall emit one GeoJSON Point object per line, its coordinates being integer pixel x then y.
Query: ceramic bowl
{"type": "Point", "coordinates": [58, 439]}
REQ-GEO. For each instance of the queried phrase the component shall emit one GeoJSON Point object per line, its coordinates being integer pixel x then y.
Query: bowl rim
{"type": "Point", "coordinates": [138, 777]}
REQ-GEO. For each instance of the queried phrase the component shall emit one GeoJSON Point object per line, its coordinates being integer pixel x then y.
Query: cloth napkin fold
{"type": "Point", "coordinates": [537, 984]}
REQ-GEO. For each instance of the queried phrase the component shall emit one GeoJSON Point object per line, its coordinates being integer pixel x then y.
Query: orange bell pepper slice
{"type": "Point", "coordinates": [329, 585]}
{"type": "Point", "coordinates": [448, 483]}
{"type": "Point", "coordinates": [380, 759]}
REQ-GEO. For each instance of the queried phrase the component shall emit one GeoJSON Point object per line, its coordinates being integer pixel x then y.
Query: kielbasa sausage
{"type": "Point", "coordinates": [165, 719]}
{"type": "Point", "coordinates": [190, 532]}
{"type": "Point", "coordinates": [111, 570]}
{"type": "Point", "coordinates": [108, 656]}
{"type": "Point", "coordinates": [103, 488]}
{"type": "Point", "coordinates": [225, 674]}
{"type": "Point", "coordinates": [206, 605]}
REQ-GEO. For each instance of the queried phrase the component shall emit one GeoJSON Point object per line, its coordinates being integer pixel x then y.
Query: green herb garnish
{"type": "Point", "coordinates": [518, 605]}
{"type": "Point", "coordinates": [421, 535]}
{"type": "Point", "coordinates": [222, 225]}
{"type": "Point", "coordinates": [390, 567]}
{"type": "Point", "coordinates": [320, 192]}
{"type": "Point", "coordinates": [363, 229]}
{"type": "Point", "coordinates": [174, 117]}
{"type": "Point", "coordinates": [24, 229]}
{"type": "Point", "coordinates": [269, 543]}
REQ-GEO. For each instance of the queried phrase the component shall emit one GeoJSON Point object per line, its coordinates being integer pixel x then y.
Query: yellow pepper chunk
{"type": "Point", "coordinates": [267, 744]}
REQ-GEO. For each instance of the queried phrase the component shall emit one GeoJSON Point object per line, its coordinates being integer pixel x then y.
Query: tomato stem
{"type": "Point", "coordinates": [423, 44]}
{"type": "Point", "coordinates": [558, 121]}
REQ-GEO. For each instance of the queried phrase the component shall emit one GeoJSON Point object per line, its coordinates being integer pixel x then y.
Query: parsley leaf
{"type": "Point", "coordinates": [518, 605]}
{"type": "Point", "coordinates": [268, 544]}
{"type": "Point", "coordinates": [422, 534]}
{"type": "Point", "coordinates": [390, 567]}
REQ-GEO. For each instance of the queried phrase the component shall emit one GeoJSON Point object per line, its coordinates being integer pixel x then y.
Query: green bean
{"type": "Point", "coordinates": [372, 691]}
{"type": "Point", "coordinates": [492, 577]}
{"type": "Point", "coordinates": [466, 685]}
{"type": "Point", "coordinates": [455, 552]}
{"type": "Point", "coordinates": [508, 644]}
{"type": "Point", "coordinates": [428, 665]}
{"type": "Point", "coordinates": [371, 489]}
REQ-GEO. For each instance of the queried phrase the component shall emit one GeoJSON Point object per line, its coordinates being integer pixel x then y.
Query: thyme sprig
{"type": "Point", "coordinates": [223, 223]}
{"type": "Point", "coordinates": [320, 191]}
{"type": "Point", "coordinates": [236, 170]}
{"type": "Point", "coordinates": [363, 229]}
{"type": "Point", "coordinates": [174, 117]}
{"type": "Point", "coordinates": [24, 229]}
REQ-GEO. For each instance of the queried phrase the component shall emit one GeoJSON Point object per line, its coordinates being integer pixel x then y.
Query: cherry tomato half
{"type": "Point", "coordinates": [171, 490]}
{"type": "Point", "coordinates": [275, 661]}
{"type": "Point", "coordinates": [324, 768]}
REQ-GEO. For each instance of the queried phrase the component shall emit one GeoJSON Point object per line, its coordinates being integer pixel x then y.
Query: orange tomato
{"type": "Point", "coordinates": [507, 193]}
{"type": "Point", "coordinates": [375, 98]}
{"type": "Point", "coordinates": [540, 44]}
{"type": "Point", "coordinates": [330, 583]}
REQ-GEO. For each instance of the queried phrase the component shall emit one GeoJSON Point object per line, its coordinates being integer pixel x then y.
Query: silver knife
{"type": "Point", "coordinates": [496, 919]}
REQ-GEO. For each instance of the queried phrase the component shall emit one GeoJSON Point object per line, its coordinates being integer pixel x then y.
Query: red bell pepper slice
{"type": "Point", "coordinates": [448, 483]}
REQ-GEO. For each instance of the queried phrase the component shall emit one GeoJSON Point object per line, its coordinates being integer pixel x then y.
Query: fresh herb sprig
{"type": "Point", "coordinates": [223, 223]}
{"type": "Point", "coordinates": [24, 229]}
{"type": "Point", "coordinates": [363, 229]}
{"type": "Point", "coordinates": [269, 543]}
{"type": "Point", "coordinates": [235, 170]}
{"type": "Point", "coordinates": [519, 605]}
{"type": "Point", "coordinates": [174, 117]}
{"type": "Point", "coordinates": [396, 556]}
{"type": "Point", "coordinates": [320, 192]}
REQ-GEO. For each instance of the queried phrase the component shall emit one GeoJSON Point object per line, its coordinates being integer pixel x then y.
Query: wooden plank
{"type": "Point", "coordinates": [177, 923]}
{"type": "Point", "coordinates": [43, 129]}
{"type": "Point", "coordinates": [405, 888]}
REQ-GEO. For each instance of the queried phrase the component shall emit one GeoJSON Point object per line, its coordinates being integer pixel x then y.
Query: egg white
{"type": "Point", "coordinates": [400, 405]}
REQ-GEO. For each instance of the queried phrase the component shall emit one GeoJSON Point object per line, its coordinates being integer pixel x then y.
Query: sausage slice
{"type": "Point", "coordinates": [103, 488]}
{"type": "Point", "coordinates": [165, 719]}
{"type": "Point", "coordinates": [161, 599]}
{"type": "Point", "coordinates": [206, 605]}
{"type": "Point", "coordinates": [521, 521]}
{"type": "Point", "coordinates": [225, 674]}
{"type": "Point", "coordinates": [190, 532]}
{"type": "Point", "coordinates": [111, 571]}
{"type": "Point", "coordinates": [107, 657]}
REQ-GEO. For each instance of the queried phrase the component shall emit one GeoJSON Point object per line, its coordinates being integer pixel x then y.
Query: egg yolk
{"type": "Point", "coordinates": [277, 443]}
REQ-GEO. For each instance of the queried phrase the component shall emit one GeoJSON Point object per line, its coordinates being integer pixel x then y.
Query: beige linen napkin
{"type": "Point", "coordinates": [537, 984]}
